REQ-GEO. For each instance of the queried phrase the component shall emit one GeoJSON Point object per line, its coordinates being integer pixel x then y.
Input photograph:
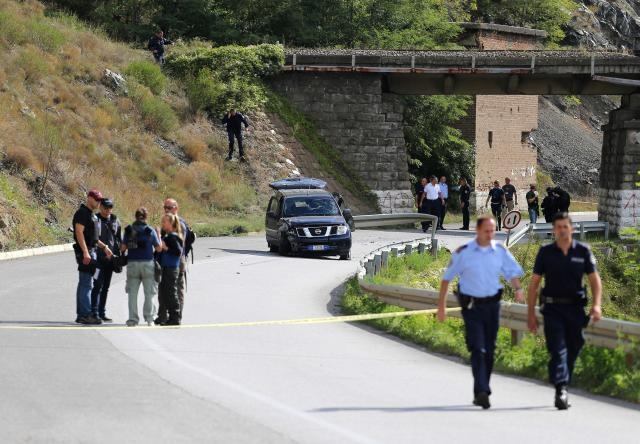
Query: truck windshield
{"type": "Point", "coordinates": [310, 206]}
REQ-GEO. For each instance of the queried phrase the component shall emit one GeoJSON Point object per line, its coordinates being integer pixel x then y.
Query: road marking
{"type": "Point", "coordinates": [303, 321]}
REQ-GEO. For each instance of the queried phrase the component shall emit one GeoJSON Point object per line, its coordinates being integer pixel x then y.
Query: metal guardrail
{"type": "Point", "coordinates": [608, 333]}
{"type": "Point", "coordinates": [538, 230]}
{"type": "Point", "coordinates": [387, 220]}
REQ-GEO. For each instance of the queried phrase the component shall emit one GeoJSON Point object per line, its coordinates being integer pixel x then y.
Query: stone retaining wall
{"type": "Point", "coordinates": [351, 112]}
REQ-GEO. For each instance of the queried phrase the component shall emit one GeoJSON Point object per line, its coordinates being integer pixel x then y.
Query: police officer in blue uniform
{"type": "Point", "coordinates": [480, 264]}
{"type": "Point", "coordinates": [563, 264]}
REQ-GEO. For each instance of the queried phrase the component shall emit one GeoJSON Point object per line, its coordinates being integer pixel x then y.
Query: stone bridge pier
{"type": "Point", "coordinates": [352, 114]}
{"type": "Point", "coordinates": [619, 202]}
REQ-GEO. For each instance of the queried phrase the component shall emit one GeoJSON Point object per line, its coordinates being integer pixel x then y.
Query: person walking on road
{"type": "Point", "coordinates": [532, 203]}
{"type": "Point", "coordinates": [465, 194]}
{"type": "Point", "coordinates": [156, 45]}
{"type": "Point", "coordinates": [510, 194]}
{"type": "Point", "coordinates": [444, 193]}
{"type": "Point", "coordinates": [170, 261]}
{"type": "Point", "coordinates": [234, 121]}
{"type": "Point", "coordinates": [563, 265]}
{"type": "Point", "coordinates": [140, 241]}
{"type": "Point", "coordinates": [111, 236]}
{"type": "Point", "coordinates": [431, 200]}
{"type": "Point", "coordinates": [480, 264]}
{"type": "Point", "coordinates": [86, 231]}
{"type": "Point", "coordinates": [496, 196]}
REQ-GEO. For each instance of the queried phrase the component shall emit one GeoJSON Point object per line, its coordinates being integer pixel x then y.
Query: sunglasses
{"type": "Point", "coordinates": [169, 207]}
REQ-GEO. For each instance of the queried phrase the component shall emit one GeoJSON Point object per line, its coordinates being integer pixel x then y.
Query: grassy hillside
{"type": "Point", "coordinates": [64, 131]}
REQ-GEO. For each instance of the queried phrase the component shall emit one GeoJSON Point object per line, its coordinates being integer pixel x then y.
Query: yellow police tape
{"type": "Point", "coordinates": [307, 321]}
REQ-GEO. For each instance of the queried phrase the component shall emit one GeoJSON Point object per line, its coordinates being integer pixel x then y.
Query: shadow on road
{"type": "Point", "coordinates": [434, 408]}
{"type": "Point", "coordinates": [274, 255]}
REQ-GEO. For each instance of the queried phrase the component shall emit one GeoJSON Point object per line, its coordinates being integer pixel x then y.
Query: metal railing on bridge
{"type": "Point", "coordinates": [395, 219]}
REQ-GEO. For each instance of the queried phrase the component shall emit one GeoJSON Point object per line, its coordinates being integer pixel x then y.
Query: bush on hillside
{"type": "Point", "coordinates": [228, 62]}
{"type": "Point", "coordinates": [18, 158]}
{"type": "Point", "coordinates": [157, 115]}
{"type": "Point", "coordinates": [208, 92]}
{"type": "Point", "coordinates": [35, 30]}
{"type": "Point", "coordinates": [148, 74]}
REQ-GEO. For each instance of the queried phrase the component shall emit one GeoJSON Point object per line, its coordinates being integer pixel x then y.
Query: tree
{"type": "Point", "coordinates": [433, 145]}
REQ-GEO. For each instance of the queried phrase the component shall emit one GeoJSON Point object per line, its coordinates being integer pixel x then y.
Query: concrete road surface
{"type": "Point", "coordinates": [336, 383]}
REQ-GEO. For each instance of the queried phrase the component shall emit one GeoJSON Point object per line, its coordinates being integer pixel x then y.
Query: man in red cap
{"type": "Point", "coordinates": [86, 229]}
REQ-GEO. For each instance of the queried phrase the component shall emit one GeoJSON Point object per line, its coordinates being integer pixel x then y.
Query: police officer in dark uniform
{"type": "Point", "coordinates": [465, 193]}
{"type": "Point", "coordinates": [480, 264]}
{"type": "Point", "coordinates": [234, 121]}
{"type": "Point", "coordinates": [563, 265]}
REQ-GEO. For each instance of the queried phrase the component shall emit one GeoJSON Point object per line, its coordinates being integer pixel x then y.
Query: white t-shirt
{"type": "Point", "coordinates": [432, 191]}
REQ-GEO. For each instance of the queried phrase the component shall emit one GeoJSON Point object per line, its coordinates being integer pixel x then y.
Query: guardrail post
{"type": "Point", "coordinates": [606, 231]}
{"type": "Point", "coordinates": [394, 252]}
{"type": "Point", "coordinates": [516, 337]}
{"type": "Point", "coordinates": [421, 247]}
{"type": "Point", "coordinates": [377, 263]}
{"type": "Point", "coordinates": [384, 256]}
{"type": "Point", "coordinates": [434, 247]}
{"type": "Point", "coordinates": [368, 266]}
{"type": "Point", "coordinates": [583, 235]}
{"type": "Point", "coordinates": [408, 249]}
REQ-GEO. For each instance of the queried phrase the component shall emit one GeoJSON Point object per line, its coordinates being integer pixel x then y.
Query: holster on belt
{"type": "Point", "coordinates": [580, 298]}
{"type": "Point", "coordinates": [467, 302]}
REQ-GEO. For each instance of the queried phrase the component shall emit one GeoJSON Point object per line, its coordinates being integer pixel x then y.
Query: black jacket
{"type": "Point", "coordinates": [234, 123]}
{"type": "Point", "coordinates": [156, 44]}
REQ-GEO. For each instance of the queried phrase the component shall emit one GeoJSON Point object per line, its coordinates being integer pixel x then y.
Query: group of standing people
{"type": "Point", "coordinates": [432, 197]}
{"type": "Point", "coordinates": [481, 264]}
{"type": "Point", "coordinates": [155, 258]}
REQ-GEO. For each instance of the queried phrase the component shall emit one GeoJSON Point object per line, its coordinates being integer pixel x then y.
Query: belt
{"type": "Point", "coordinates": [468, 302]}
{"type": "Point", "coordinates": [561, 301]}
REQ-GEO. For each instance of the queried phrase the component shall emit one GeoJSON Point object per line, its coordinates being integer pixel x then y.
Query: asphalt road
{"type": "Point", "coordinates": [335, 383]}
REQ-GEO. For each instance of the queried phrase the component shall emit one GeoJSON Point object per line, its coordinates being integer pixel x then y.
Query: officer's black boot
{"type": "Point", "coordinates": [562, 397]}
{"type": "Point", "coordinates": [482, 400]}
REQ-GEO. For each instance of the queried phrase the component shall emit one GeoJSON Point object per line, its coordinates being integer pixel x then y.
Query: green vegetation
{"type": "Point", "coordinates": [433, 145]}
{"type": "Point", "coordinates": [328, 158]}
{"type": "Point", "coordinates": [157, 115]}
{"type": "Point", "coordinates": [148, 74]}
{"type": "Point", "coordinates": [222, 78]}
{"type": "Point", "coordinates": [230, 224]}
{"type": "Point", "coordinates": [598, 370]}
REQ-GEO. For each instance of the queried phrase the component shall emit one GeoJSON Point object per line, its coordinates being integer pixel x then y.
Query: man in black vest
{"type": "Point", "coordinates": [86, 230]}
{"type": "Point", "coordinates": [563, 264]}
{"type": "Point", "coordinates": [465, 194]}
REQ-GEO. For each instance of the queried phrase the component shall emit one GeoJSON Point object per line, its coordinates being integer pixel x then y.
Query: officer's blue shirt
{"type": "Point", "coordinates": [480, 268]}
{"type": "Point", "coordinates": [444, 190]}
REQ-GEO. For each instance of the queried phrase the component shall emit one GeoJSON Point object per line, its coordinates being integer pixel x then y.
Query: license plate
{"type": "Point", "coordinates": [318, 247]}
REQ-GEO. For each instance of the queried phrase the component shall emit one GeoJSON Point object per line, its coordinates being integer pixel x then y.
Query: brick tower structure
{"type": "Point", "coordinates": [499, 126]}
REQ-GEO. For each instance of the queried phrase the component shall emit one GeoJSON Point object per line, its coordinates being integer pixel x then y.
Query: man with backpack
{"type": "Point", "coordinates": [171, 207]}
{"type": "Point", "coordinates": [111, 236]}
{"type": "Point", "coordinates": [140, 242]}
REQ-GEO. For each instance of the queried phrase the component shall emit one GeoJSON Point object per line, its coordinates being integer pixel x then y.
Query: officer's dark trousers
{"type": "Point", "coordinates": [496, 210]}
{"type": "Point", "coordinates": [168, 294]}
{"type": "Point", "coordinates": [100, 291]}
{"type": "Point", "coordinates": [235, 135]}
{"type": "Point", "coordinates": [481, 324]}
{"type": "Point", "coordinates": [443, 212]}
{"type": "Point", "coordinates": [465, 215]}
{"type": "Point", "coordinates": [563, 326]}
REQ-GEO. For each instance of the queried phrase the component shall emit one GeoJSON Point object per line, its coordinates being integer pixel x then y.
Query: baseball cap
{"type": "Point", "coordinates": [97, 195]}
{"type": "Point", "coordinates": [107, 203]}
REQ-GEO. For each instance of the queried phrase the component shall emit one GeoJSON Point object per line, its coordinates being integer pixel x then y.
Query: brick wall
{"type": "Point", "coordinates": [499, 41]}
{"type": "Point", "coordinates": [502, 150]}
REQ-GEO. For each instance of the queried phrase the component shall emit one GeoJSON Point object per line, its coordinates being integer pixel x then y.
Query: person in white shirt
{"type": "Point", "coordinates": [444, 198]}
{"type": "Point", "coordinates": [431, 199]}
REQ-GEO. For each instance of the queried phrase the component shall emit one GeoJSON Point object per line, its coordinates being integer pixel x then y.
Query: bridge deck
{"type": "Point", "coordinates": [479, 72]}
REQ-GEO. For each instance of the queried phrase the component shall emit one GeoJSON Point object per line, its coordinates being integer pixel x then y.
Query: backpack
{"type": "Point", "coordinates": [189, 240]}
